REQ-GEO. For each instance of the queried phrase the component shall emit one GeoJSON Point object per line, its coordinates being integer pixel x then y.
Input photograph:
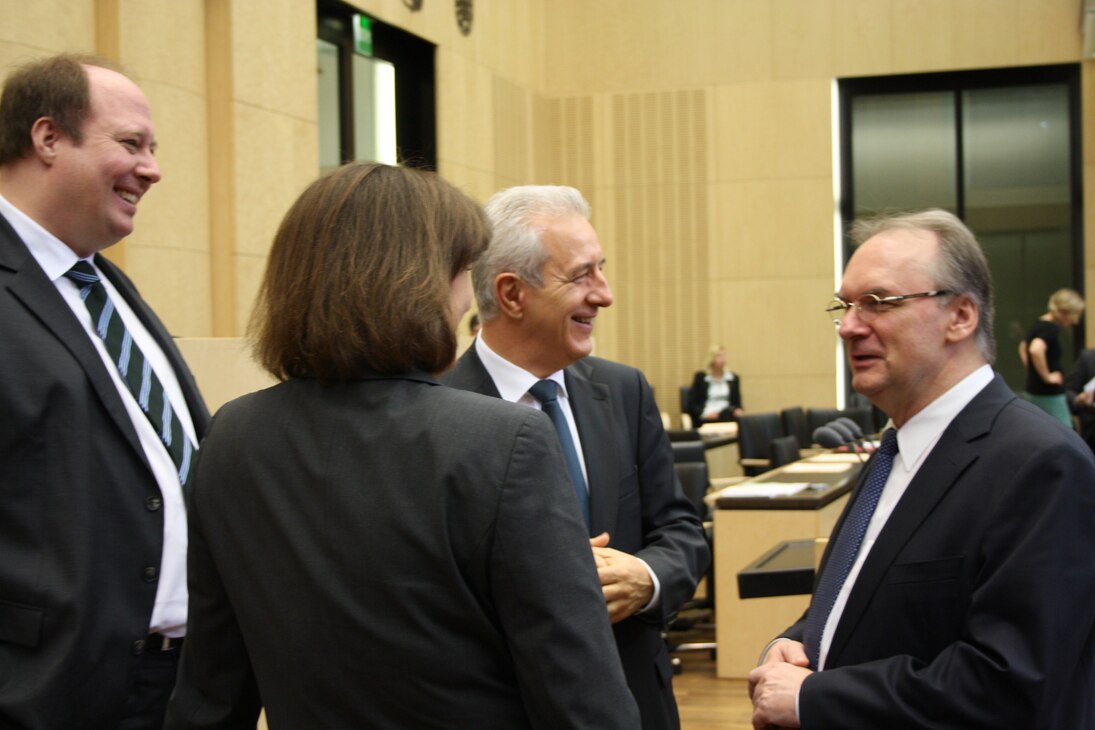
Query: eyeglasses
{"type": "Point", "coordinates": [869, 306]}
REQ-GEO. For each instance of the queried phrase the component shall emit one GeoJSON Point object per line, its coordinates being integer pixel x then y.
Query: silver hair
{"type": "Point", "coordinates": [517, 216]}
{"type": "Point", "coordinates": [961, 267]}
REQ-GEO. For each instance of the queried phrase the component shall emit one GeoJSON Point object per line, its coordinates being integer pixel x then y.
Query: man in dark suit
{"type": "Point", "coordinates": [539, 287]}
{"type": "Point", "coordinates": [956, 590]}
{"type": "Point", "coordinates": [1081, 401]}
{"type": "Point", "coordinates": [92, 525]}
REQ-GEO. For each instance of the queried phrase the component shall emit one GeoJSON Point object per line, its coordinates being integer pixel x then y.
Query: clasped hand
{"type": "Point", "coordinates": [624, 579]}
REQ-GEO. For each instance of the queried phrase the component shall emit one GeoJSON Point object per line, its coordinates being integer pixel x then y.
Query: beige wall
{"type": "Point", "coordinates": [700, 130]}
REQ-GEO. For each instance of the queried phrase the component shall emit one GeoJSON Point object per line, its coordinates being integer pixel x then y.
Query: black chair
{"type": "Point", "coordinates": [794, 424]}
{"type": "Point", "coordinates": [783, 450]}
{"type": "Point", "coordinates": [693, 628]}
{"type": "Point", "coordinates": [682, 434]}
{"type": "Point", "coordinates": [690, 452]}
{"type": "Point", "coordinates": [755, 434]}
{"type": "Point", "coordinates": [818, 417]}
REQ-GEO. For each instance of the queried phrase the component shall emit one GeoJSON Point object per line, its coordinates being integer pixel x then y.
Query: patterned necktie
{"type": "Point", "coordinates": [846, 547]}
{"type": "Point", "coordinates": [546, 392]}
{"type": "Point", "coordinates": [133, 367]}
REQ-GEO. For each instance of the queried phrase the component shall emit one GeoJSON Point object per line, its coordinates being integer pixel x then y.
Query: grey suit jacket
{"type": "Point", "coordinates": [80, 511]}
{"type": "Point", "coordinates": [389, 553]}
{"type": "Point", "coordinates": [636, 498]}
{"type": "Point", "coordinates": [976, 605]}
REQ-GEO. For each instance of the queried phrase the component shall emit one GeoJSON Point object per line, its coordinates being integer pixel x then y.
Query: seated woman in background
{"type": "Point", "coordinates": [1040, 352]}
{"type": "Point", "coordinates": [369, 548]}
{"type": "Point", "coordinates": [715, 394]}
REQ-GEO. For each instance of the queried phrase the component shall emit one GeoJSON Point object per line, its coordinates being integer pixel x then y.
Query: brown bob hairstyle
{"type": "Point", "coordinates": [360, 273]}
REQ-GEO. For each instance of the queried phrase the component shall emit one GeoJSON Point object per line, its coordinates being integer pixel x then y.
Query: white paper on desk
{"type": "Point", "coordinates": [1089, 387]}
{"type": "Point", "coordinates": [764, 489]}
{"type": "Point", "coordinates": [833, 459]}
{"type": "Point", "coordinates": [806, 467]}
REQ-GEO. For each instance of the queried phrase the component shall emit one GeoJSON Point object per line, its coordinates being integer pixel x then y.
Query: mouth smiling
{"type": "Point", "coordinates": [127, 196]}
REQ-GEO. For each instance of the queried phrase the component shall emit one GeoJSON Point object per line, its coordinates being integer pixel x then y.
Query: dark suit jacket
{"type": "Point", "coordinates": [697, 396]}
{"type": "Point", "coordinates": [1080, 375]}
{"type": "Point", "coordinates": [80, 515]}
{"type": "Point", "coordinates": [976, 605]}
{"type": "Point", "coordinates": [635, 497]}
{"type": "Point", "coordinates": [388, 553]}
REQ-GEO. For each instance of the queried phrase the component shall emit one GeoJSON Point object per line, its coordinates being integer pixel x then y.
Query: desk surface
{"type": "Point", "coordinates": [829, 479]}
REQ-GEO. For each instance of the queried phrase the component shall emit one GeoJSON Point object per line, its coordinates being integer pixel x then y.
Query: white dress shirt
{"type": "Point", "coordinates": [55, 258]}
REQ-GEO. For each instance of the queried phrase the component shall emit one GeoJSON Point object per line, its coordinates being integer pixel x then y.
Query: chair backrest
{"type": "Point", "coordinates": [683, 434]}
{"type": "Point", "coordinates": [688, 452]}
{"type": "Point", "coordinates": [783, 450]}
{"type": "Point", "coordinates": [863, 416]}
{"type": "Point", "coordinates": [755, 434]}
{"type": "Point", "coordinates": [817, 417]}
{"type": "Point", "coordinates": [794, 424]}
{"type": "Point", "coordinates": [686, 391]}
{"type": "Point", "coordinates": [694, 483]}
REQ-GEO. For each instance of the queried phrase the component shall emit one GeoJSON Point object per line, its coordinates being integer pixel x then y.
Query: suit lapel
{"type": "Point", "coordinates": [592, 408]}
{"type": "Point", "coordinates": [469, 374]}
{"type": "Point", "coordinates": [949, 458]}
{"type": "Point", "coordinates": [38, 294]}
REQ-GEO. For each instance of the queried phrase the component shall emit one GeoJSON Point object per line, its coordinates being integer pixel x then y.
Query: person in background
{"type": "Point", "coordinates": [1080, 390]}
{"type": "Point", "coordinates": [1040, 352]}
{"type": "Point", "coordinates": [715, 394]}
{"type": "Point", "coordinates": [99, 416]}
{"type": "Point", "coordinates": [368, 547]}
{"type": "Point", "coordinates": [539, 287]}
{"type": "Point", "coordinates": [956, 589]}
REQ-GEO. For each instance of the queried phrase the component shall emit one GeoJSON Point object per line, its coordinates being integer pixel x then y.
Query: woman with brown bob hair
{"type": "Point", "coordinates": [369, 548]}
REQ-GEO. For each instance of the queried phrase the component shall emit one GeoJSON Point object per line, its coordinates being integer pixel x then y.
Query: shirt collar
{"type": "Point", "coordinates": [511, 380]}
{"type": "Point", "coordinates": [925, 428]}
{"type": "Point", "coordinates": [51, 253]}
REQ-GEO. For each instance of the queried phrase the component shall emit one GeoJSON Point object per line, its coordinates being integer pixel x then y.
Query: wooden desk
{"type": "Point", "coordinates": [746, 527]}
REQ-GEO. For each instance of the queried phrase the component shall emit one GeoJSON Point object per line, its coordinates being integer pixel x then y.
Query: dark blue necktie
{"type": "Point", "coordinates": [133, 367]}
{"type": "Point", "coordinates": [846, 547]}
{"type": "Point", "coordinates": [546, 392]}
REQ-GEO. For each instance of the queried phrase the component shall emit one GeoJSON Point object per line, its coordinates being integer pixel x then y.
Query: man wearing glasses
{"type": "Point", "coordinates": [958, 588]}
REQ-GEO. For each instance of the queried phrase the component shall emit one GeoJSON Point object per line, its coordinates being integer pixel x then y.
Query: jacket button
{"type": "Point", "coordinates": [138, 647]}
{"type": "Point", "coordinates": [153, 503]}
{"type": "Point", "coordinates": [149, 574]}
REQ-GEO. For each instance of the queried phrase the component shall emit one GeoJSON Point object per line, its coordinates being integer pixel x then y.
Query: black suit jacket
{"type": "Point", "coordinates": [976, 605]}
{"type": "Point", "coordinates": [389, 553]}
{"type": "Point", "coordinates": [697, 396]}
{"type": "Point", "coordinates": [1074, 384]}
{"type": "Point", "coordinates": [635, 497]}
{"type": "Point", "coordinates": [80, 515]}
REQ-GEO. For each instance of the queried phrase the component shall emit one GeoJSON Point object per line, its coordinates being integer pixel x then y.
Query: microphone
{"type": "Point", "coordinates": [857, 432]}
{"type": "Point", "coordinates": [827, 437]}
{"type": "Point", "coordinates": [844, 431]}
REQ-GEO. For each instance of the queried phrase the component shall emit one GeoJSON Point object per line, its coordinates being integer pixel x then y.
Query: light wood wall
{"type": "Point", "coordinates": [700, 130]}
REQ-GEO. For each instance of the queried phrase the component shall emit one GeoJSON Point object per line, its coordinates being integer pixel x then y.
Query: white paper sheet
{"type": "Point", "coordinates": [763, 489]}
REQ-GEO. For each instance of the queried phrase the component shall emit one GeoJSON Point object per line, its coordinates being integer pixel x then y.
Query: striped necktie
{"type": "Point", "coordinates": [846, 546]}
{"type": "Point", "coordinates": [546, 392]}
{"type": "Point", "coordinates": [133, 367]}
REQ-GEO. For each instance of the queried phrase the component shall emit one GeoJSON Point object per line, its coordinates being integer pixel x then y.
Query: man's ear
{"type": "Point", "coordinates": [44, 137]}
{"type": "Point", "coordinates": [963, 320]}
{"type": "Point", "coordinates": [509, 290]}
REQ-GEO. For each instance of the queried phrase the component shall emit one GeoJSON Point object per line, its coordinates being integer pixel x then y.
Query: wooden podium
{"type": "Point", "coordinates": [751, 518]}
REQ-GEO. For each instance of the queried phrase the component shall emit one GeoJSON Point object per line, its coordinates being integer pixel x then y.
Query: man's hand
{"type": "Point", "coordinates": [774, 688]}
{"type": "Point", "coordinates": [1085, 399]}
{"type": "Point", "coordinates": [624, 578]}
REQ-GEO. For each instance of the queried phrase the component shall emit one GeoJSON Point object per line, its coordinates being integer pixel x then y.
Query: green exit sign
{"type": "Point", "coordinates": [363, 34]}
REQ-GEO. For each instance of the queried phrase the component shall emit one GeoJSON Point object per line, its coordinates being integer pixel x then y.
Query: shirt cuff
{"type": "Point", "coordinates": [655, 597]}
